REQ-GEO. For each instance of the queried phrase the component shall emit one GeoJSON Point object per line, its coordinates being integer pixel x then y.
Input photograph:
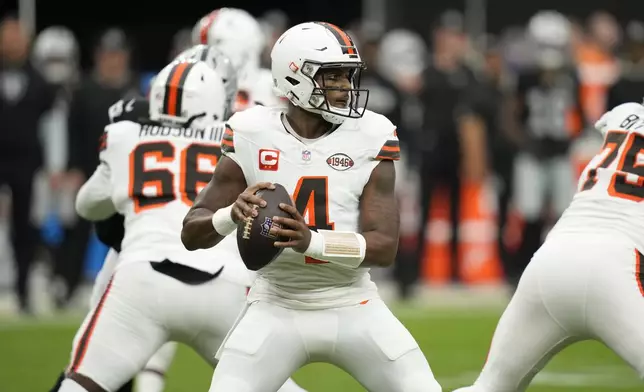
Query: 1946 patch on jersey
{"type": "Point", "coordinates": [340, 162]}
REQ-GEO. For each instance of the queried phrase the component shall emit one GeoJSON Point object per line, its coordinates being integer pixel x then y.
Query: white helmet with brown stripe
{"type": "Point", "coordinates": [298, 58]}
{"type": "Point", "coordinates": [188, 93]}
{"type": "Point", "coordinates": [233, 31]}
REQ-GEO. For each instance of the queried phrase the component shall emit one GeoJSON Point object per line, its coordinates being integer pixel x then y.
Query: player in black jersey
{"type": "Point", "coordinates": [548, 115]}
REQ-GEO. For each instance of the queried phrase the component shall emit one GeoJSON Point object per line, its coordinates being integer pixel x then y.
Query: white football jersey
{"type": "Point", "coordinates": [153, 175]}
{"type": "Point", "coordinates": [611, 187]}
{"type": "Point", "coordinates": [325, 177]}
{"type": "Point", "coordinates": [255, 88]}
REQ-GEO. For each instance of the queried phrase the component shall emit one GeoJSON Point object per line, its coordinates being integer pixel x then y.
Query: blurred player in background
{"type": "Point", "coordinates": [25, 98]}
{"type": "Point", "coordinates": [451, 148]}
{"type": "Point", "coordinates": [549, 115]}
{"type": "Point", "coordinates": [311, 303]}
{"type": "Point", "coordinates": [586, 281]}
{"type": "Point", "coordinates": [159, 292]}
{"type": "Point", "coordinates": [630, 85]}
{"type": "Point", "coordinates": [239, 36]}
{"type": "Point", "coordinates": [56, 55]}
{"type": "Point", "coordinates": [111, 79]}
{"type": "Point", "coordinates": [401, 60]}
{"type": "Point", "coordinates": [486, 102]}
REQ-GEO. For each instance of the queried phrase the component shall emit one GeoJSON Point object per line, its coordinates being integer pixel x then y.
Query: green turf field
{"type": "Point", "coordinates": [455, 342]}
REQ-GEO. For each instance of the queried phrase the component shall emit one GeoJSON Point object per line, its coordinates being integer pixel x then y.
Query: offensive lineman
{"type": "Point", "coordinates": [337, 160]}
{"type": "Point", "coordinates": [239, 36]}
{"type": "Point", "coordinates": [110, 231]}
{"type": "Point", "coordinates": [586, 281]}
{"type": "Point", "coordinates": [159, 292]}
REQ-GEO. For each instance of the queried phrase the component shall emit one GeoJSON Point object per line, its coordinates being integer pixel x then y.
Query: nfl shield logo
{"type": "Point", "coordinates": [306, 155]}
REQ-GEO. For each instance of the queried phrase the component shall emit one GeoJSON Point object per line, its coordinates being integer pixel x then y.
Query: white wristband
{"type": "Point", "coordinates": [344, 248]}
{"type": "Point", "coordinates": [223, 222]}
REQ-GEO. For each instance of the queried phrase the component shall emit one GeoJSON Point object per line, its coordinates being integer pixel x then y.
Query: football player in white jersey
{"type": "Point", "coordinates": [316, 301]}
{"type": "Point", "coordinates": [239, 36]}
{"type": "Point", "coordinates": [150, 172]}
{"type": "Point", "coordinates": [586, 281]}
{"type": "Point", "coordinates": [152, 377]}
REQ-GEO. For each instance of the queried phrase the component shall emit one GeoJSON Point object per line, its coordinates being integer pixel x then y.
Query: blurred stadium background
{"type": "Point", "coordinates": [449, 293]}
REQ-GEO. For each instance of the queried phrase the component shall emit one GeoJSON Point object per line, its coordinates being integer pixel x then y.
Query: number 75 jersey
{"type": "Point", "coordinates": [610, 193]}
{"type": "Point", "coordinates": [325, 178]}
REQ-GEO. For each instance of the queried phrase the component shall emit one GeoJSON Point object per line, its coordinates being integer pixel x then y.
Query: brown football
{"type": "Point", "coordinates": [254, 241]}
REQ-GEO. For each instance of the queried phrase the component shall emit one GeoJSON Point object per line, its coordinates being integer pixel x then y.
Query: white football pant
{"type": "Point", "coordinates": [140, 310]}
{"type": "Point", "coordinates": [270, 342]}
{"type": "Point", "coordinates": [152, 379]}
{"type": "Point", "coordinates": [576, 287]}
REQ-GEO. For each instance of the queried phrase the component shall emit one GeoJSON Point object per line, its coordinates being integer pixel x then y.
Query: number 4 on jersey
{"type": "Point", "coordinates": [312, 201]}
{"type": "Point", "coordinates": [621, 185]}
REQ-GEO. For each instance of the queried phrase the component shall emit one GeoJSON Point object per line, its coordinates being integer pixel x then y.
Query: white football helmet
{"type": "Point", "coordinates": [305, 49]}
{"type": "Point", "coordinates": [233, 31]}
{"type": "Point", "coordinates": [55, 54]}
{"type": "Point", "coordinates": [220, 63]}
{"type": "Point", "coordinates": [188, 93]}
{"type": "Point", "coordinates": [550, 32]}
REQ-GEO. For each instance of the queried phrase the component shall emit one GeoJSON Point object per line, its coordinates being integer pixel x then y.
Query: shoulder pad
{"type": "Point", "coordinates": [118, 131]}
{"type": "Point", "coordinates": [376, 125]}
{"type": "Point", "coordinates": [134, 109]}
{"type": "Point", "coordinates": [381, 136]}
{"type": "Point", "coordinates": [250, 120]}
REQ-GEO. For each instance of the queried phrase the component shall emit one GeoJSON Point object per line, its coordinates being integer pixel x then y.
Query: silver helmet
{"type": "Point", "coordinates": [220, 63]}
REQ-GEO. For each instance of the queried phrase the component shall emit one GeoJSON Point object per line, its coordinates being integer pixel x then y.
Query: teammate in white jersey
{"type": "Point", "coordinates": [151, 172]}
{"type": "Point", "coordinates": [586, 281]}
{"type": "Point", "coordinates": [239, 36]}
{"type": "Point", "coordinates": [313, 303]}
{"type": "Point", "coordinates": [152, 377]}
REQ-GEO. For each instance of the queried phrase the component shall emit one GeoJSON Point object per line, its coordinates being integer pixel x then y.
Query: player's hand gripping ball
{"type": "Point", "coordinates": [254, 212]}
{"type": "Point", "coordinates": [293, 227]}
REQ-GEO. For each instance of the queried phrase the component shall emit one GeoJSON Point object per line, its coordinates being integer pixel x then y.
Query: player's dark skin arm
{"type": "Point", "coordinates": [379, 221]}
{"type": "Point", "coordinates": [380, 217]}
{"type": "Point", "coordinates": [227, 186]}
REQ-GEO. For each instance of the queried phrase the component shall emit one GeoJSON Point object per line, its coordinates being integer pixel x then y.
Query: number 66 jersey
{"type": "Point", "coordinates": [325, 177]}
{"type": "Point", "coordinates": [151, 174]}
{"type": "Point", "coordinates": [611, 187]}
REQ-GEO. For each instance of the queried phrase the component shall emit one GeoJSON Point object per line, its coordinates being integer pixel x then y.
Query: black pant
{"type": "Point", "coordinates": [19, 177]}
{"type": "Point", "coordinates": [70, 256]}
{"type": "Point", "coordinates": [433, 175]}
{"type": "Point", "coordinates": [504, 169]}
